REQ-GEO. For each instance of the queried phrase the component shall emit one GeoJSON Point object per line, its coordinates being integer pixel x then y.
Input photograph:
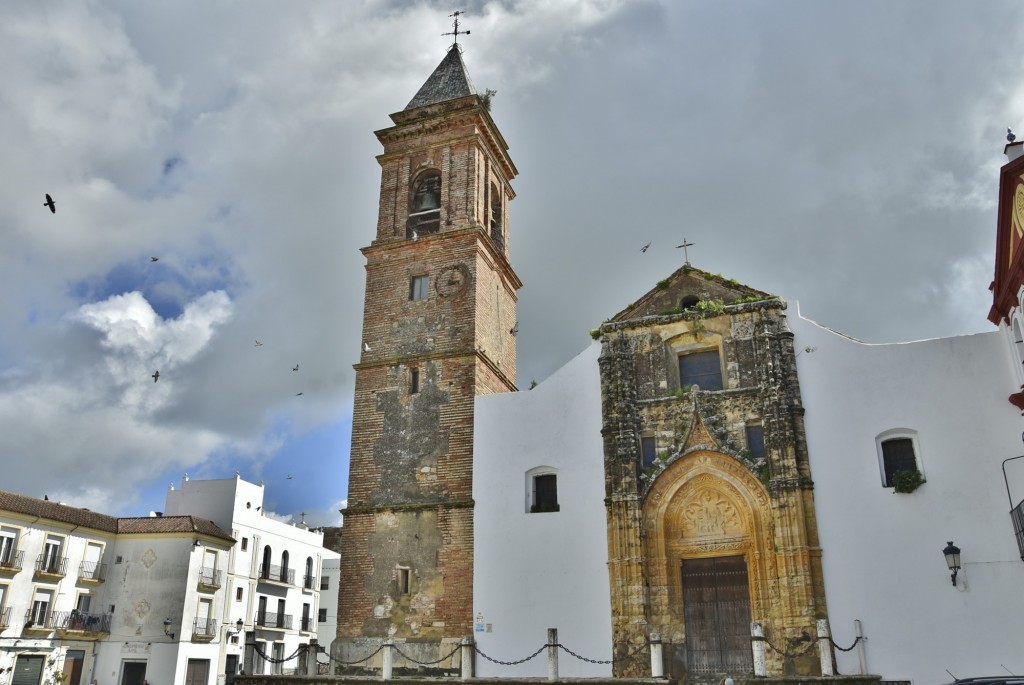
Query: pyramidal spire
{"type": "Point", "coordinates": [448, 82]}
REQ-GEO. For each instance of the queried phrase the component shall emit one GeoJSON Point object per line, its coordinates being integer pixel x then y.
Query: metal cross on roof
{"type": "Point", "coordinates": [455, 31]}
{"type": "Point", "coordinates": [686, 254]}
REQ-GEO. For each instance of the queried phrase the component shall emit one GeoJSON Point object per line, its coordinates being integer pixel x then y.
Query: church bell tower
{"type": "Point", "coordinates": [438, 330]}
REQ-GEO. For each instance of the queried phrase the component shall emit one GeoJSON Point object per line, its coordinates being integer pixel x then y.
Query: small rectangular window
{"type": "Point", "coordinates": [414, 381]}
{"type": "Point", "coordinates": [238, 594]}
{"type": "Point", "coordinates": [402, 576]}
{"type": "Point", "coordinates": [703, 369]}
{"type": "Point", "coordinates": [321, 615]}
{"type": "Point", "coordinates": [118, 559]}
{"type": "Point", "coordinates": [647, 446]}
{"type": "Point", "coordinates": [245, 544]}
{"type": "Point", "coordinates": [897, 455]}
{"type": "Point", "coordinates": [545, 493]}
{"type": "Point", "coordinates": [325, 583]}
{"type": "Point", "coordinates": [418, 287]}
{"type": "Point", "coordinates": [755, 440]}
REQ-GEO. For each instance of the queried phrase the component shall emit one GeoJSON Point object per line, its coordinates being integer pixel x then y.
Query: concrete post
{"type": "Point", "coordinates": [825, 648]}
{"type": "Point", "coordinates": [757, 646]}
{"type": "Point", "coordinates": [467, 658]}
{"type": "Point", "coordinates": [311, 651]}
{"type": "Point", "coordinates": [657, 663]}
{"type": "Point", "coordinates": [861, 654]}
{"type": "Point", "coordinates": [389, 659]}
{"type": "Point", "coordinates": [250, 650]}
{"type": "Point", "coordinates": [552, 653]}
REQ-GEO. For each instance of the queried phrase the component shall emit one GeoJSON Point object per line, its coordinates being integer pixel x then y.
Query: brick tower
{"type": "Point", "coordinates": [438, 323]}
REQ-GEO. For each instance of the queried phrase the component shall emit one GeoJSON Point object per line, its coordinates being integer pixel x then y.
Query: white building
{"type": "Point", "coordinates": [171, 598]}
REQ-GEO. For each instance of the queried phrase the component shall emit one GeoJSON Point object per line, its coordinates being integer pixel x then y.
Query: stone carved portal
{"type": "Point", "coordinates": [705, 505]}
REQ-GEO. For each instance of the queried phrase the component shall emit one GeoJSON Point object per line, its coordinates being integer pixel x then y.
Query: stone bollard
{"type": "Point", "coordinates": [467, 658]}
{"type": "Point", "coordinates": [552, 653]}
{"type": "Point", "coordinates": [825, 648]}
{"type": "Point", "coordinates": [657, 663]}
{"type": "Point", "coordinates": [389, 659]}
{"type": "Point", "coordinates": [757, 646]}
{"type": "Point", "coordinates": [311, 651]}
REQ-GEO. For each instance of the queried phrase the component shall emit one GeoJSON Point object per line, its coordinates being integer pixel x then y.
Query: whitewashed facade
{"type": "Point", "coordinates": [534, 571]}
{"type": "Point", "coordinates": [883, 558]}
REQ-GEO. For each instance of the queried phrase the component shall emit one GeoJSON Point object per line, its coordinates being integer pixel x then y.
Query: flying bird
{"type": "Point", "coordinates": [154, 259]}
{"type": "Point", "coordinates": [289, 476]}
{"type": "Point", "coordinates": [51, 204]}
{"type": "Point", "coordinates": [156, 376]}
{"type": "Point", "coordinates": [297, 394]}
{"type": "Point", "coordinates": [644, 248]}
{"type": "Point", "coordinates": [1009, 138]}
{"type": "Point", "coordinates": [514, 329]}
{"type": "Point", "coordinates": [295, 368]}
{"type": "Point", "coordinates": [258, 343]}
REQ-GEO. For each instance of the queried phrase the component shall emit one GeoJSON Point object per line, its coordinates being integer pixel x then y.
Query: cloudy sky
{"type": "Point", "coordinates": [843, 155]}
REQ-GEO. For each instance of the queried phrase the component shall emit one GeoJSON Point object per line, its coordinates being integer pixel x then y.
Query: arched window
{"type": "Point", "coordinates": [265, 566]}
{"type": "Point", "coordinates": [495, 220]}
{"type": "Point", "coordinates": [309, 580]}
{"type": "Point", "coordinates": [284, 566]}
{"type": "Point", "coordinates": [424, 205]}
{"type": "Point", "coordinates": [897, 451]}
{"type": "Point", "coordinates": [689, 302]}
{"type": "Point", "coordinates": [542, 490]}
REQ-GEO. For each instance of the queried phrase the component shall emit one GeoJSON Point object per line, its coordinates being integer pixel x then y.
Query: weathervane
{"type": "Point", "coordinates": [686, 254]}
{"type": "Point", "coordinates": [455, 32]}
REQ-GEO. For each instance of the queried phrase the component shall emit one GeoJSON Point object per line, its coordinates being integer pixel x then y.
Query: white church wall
{"type": "Point", "coordinates": [882, 551]}
{"type": "Point", "coordinates": [542, 570]}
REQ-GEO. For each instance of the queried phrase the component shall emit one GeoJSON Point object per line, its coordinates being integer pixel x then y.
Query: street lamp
{"type": "Point", "coordinates": [167, 628]}
{"type": "Point", "coordinates": [239, 624]}
{"type": "Point", "coordinates": [952, 553]}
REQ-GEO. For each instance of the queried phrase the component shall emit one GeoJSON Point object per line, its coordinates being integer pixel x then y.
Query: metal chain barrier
{"type": "Point", "coordinates": [270, 659]}
{"type": "Point", "coordinates": [426, 663]}
{"type": "Point", "coordinates": [339, 661]}
{"type": "Point", "coordinates": [805, 650]}
{"type": "Point", "coordinates": [613, 660]}
{"type": "Point", "coordinates": [846, 649]}
{"type": "Point", "coordinates": [508, 663]}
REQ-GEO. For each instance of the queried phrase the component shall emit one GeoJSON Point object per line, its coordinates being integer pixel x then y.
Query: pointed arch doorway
{"type": "Point", "coordinates": [716, 615]}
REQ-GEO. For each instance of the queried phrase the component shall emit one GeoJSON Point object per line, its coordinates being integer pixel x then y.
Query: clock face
{"type": "Point", "coordinates": [452, 280]}
{"type": "Point", "coordinates": [1017, 220]}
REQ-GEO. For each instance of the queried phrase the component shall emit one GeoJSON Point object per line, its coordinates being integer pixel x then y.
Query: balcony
{"type": "Point", "coordinates": [11, 563]}
{"type": "Point", "coordinates": [92, 572]}
{"type": "Point", "coordinates": [209, 579]}
{"type": "Point", "coordinates": [273, 621]}
{"type": "Point", "coordinates": [51, 569]}
{"type": "Point", "coordinates": [309, 582]}
{"type": "Point", "coordinates": [307, 625]}
{"type": "Point", "coordinates": [204, 629]}
{"type": "Point", "coordinates": [5, 618]}
{"type": "Point", "coordinates": [277, 574]}
{"type": "Point", "coordinates": [80, 625]}
{"type": "Point", "coordinates": [38, 622]}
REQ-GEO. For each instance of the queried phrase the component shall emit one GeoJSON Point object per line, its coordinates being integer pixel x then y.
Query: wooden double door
{"type": "Point", "coordinates": [716, 612]}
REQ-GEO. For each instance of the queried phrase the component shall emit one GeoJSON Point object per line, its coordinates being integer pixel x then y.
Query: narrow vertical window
{"type": "Point", "coordinates": [755, 440]}
{"type": "Point", "coordinates": [238, 594]}
{"type": "Point", "coordinates": [424, 205]}
{"type": "Point", "coordinates": [414, 381]}
{"type": "Point", "coordinates": [402, 576]}
{"type": "Point", "coordinates": [418, 287]}
{"type": "Point", "coordinates": [647, 448]}
{"type": "Point", "coordinates": [245, 544]}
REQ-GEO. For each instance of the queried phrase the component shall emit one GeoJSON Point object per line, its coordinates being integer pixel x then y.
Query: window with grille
{"type": "Point", "coordinates": [897, 455]}
{"type": "Point", "coordinates": [703, 369]}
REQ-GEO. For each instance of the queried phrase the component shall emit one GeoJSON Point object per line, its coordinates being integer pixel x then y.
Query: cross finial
{"type": "Point", "coordinates": [686, 254]}
{"type": "Point", "coordinates": [455, 31]}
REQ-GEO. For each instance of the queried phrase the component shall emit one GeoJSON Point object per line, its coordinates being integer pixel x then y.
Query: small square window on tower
{"type": "Point", "coordinates": [418, 287]}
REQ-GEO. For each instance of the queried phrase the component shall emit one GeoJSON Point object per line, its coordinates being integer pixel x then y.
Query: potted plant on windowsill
{"type": "Point", "coordinates": [907, 481]}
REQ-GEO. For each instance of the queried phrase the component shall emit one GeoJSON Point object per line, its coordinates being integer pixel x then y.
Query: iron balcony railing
{"type": "Point", "coordinates": [270, 619]}
{"type": "Point", "coordinates": [39, 619]}
{"type": "Point", "coordinates": [1017, 516]}
{"type": "Point", "coordinates": [309, 582]}
{"type": "Point", "coordinates": [92, 570]}
{"type": "Point", "coordinates": [307, 624]}
{"type": "Point", "coordinates": [12, 561]}
{"type": "Point", "coordinates": [5, 617]}
{"type": "Point", "coordinates": [54, 566]}
{"type": "Point", "coordinates": [204, 627]}
{"type": "Point", "coordinates": [278, 574]}
{"type": "Point", "coordinates": [209, 577]}
{"type": "Point", "coordinates": [82, 621]}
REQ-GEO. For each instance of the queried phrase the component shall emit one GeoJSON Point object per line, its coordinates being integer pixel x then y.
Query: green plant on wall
{"type": "Point", "coordinates": [907, 481]}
